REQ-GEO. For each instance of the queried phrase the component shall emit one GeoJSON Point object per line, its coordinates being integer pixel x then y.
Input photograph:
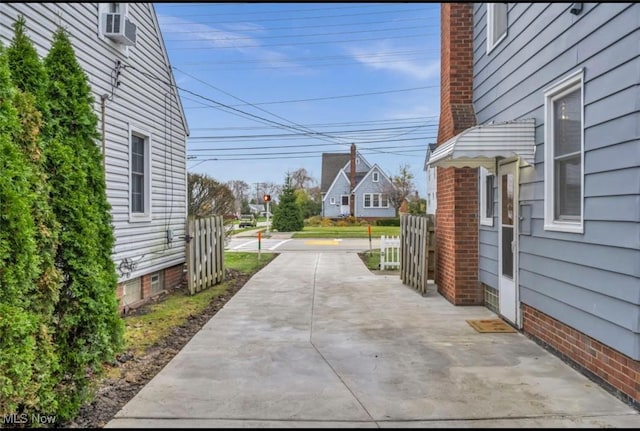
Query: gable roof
{"type": "Point", "coordinates": [370, 173]}
{"type": "Point", "coordinates": [341, 174]}
{"type": "Point", "coordinates": [332, 163]}
{"type": "Point", "coordinates": [430, 149]}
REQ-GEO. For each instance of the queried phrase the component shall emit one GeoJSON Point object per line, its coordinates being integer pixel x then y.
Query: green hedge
{"type": "Point", "coordinates": [388, 222]}
{"type": "Point", "coordinates": [59, 319]}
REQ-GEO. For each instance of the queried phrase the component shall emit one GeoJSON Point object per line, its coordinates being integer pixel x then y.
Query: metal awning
{"type": "Point", "coordinates": [482, 145]}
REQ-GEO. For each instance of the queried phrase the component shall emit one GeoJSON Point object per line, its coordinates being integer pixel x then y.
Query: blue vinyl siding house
{"type": "Point", "coordinates": [361, 191]}
{"type": "Point", "coordinates": [559, 234]}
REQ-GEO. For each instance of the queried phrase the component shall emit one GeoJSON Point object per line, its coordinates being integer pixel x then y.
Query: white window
{"type": "Point", "coordinates": [486, 196]}
{"type": "Point", "coordinates": [139, 176]}
{"type": "Point", "coordinates": [564, 155]}
{"type": "Point", "coordinates": [332, 201]}
{"type": "Point", "coordinates": [157, 283]}
{"type": "Point", "coordinates": [496, 24]}
{"type": "Point", "coordinates": [375, 200]}
{"type": "Point", "coordinates": [375, 177]}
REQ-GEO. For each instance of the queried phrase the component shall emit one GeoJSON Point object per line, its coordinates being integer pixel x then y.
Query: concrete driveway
{"type": "Point", "coordinates": [316, 340]}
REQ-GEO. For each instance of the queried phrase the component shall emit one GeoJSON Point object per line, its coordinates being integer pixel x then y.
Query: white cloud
{"type": "Point", "coordinates": [234, 39]}
{"type": "Point", "coordinates": [377, 57]}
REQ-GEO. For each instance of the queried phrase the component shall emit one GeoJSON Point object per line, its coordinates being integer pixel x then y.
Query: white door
{"type": "Point", "coordinates": [508, 241]}
{"type": "Point", "coordinates": [345, 209]}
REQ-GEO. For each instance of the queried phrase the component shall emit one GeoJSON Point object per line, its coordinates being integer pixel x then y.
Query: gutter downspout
{"type": "Point", "coordinates": [103, 99]}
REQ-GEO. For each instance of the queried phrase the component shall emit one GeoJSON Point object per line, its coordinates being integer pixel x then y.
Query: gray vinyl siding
{"type": "Point", "coordinates": [340, 187]}
{"type": "Point", "coordinates": [144, 100]}
{"type": "Point", "coordinates": [368, 186]}
{"type": "Point", "coordinates": [589, 281]}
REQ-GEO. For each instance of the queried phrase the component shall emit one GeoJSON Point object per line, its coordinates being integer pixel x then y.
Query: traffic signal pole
{"type": "Point", "coordinates": [267, 199]}
{"type": "Point", "coordinates": [268, 212]}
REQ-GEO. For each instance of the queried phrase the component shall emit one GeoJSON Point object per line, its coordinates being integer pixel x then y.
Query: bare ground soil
{"type": "Point", "coordinates": [136, 371]}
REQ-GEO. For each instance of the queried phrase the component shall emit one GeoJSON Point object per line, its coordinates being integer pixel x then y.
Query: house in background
{"type": "Point", "coordinates": [350, 186]}
{"type": "Point", "coordinates": [432, 182]}
{"type": "Point", "coordinates": [143, 128]}
{"type": "Point", "coordinates": [539, 176]}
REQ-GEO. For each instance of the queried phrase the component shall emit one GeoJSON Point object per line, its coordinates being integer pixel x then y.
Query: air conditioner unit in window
{"type": "Point", "coordinates": [117, 27]}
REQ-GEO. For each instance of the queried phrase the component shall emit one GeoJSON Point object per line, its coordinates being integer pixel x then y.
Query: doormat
{"type": "Point", "coordinates": [490, 325]}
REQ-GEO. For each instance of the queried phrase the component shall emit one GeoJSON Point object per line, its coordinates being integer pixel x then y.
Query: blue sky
{"type": "Point", "coordinates": [268, 87]}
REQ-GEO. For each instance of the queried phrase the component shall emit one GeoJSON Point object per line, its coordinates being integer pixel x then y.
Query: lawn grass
{"type": "Point", "coordinates": [346, 232]}
{"type": "Point", "coordinates": [143, 330]}
{"type": "Point", "coordinates": [371, 259]}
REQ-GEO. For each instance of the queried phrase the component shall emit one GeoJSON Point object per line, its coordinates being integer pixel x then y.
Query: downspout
{"type": "Point", "coordinates": [103, 99]}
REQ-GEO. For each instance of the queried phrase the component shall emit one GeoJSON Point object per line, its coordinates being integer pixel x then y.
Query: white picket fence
{"type": "Point", "coordinates": [389, 252]}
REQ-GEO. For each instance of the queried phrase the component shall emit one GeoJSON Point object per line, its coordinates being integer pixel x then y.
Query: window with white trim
{"type": "Point", "coordinates": [375, 177]}
{"type": "Point", "coordinates": [139, 176]}
{"type": "Point", "coordinates": [332, 201]}
{"type": "Point", "coordinates": [496, 24]}
{"type": "Point", "coordinates": [486, 196]}
{"type": "Point", "coordinates": [564, 155]}
{"type": "Point", "coordinates": [344, 199]}
{"type": "Point", "coordinates": [375, 200]}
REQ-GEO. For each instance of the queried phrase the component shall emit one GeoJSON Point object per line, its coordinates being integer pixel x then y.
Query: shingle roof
{"type": "Point", "coordinates": [331, 165]}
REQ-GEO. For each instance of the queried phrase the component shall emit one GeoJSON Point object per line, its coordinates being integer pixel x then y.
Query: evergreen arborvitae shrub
{"type": "Point", "coordinates": [25, 362]}
{"type": "Point", "coordinates": [287, 216]}
{"type": "Point", "coordinates": [89, 328]}
{"type": "Point", "coordinates": [28, 75]}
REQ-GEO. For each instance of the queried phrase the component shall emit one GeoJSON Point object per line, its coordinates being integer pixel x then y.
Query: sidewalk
{"type": "Point", "coordinates": [317, 340]}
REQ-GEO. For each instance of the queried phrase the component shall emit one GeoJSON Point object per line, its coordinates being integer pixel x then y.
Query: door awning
{"type": "Point", "coordinates": [482, 145]}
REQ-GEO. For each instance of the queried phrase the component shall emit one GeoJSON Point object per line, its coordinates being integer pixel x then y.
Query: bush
{"type": "Point", "coordinates": [327, 222]}
{"type": "Point", "coordinates": [388, 222]}
{"type": "Point", "coordinates": [313, 221]}
{"type": "Point", "coordinates": [89, 328]}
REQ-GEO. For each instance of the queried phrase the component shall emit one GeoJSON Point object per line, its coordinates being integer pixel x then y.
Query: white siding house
{"type": "Point", "coordinates": [143, 127]}
{"type": "Point", "coordinates": [432, 182]}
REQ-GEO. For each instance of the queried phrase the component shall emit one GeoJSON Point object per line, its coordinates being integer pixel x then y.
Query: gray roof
{"type": "Point", "coordinates": [431, 148]}
{"type": "Point", "coordinates": [331, 165]}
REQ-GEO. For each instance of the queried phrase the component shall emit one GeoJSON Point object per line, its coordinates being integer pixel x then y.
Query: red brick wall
{"type": "Point", "coordinates": [456, 69]}
{"type": "Point", "coordinates": [598, 360]}
{"type": "Point", "coordinates": [456, 215]}
{"type": "Point", "coordinates": [173, 277]}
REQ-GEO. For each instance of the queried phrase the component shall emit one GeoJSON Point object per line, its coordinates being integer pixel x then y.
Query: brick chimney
{"type": "Point", "coordinates": [457, 212]}
{"type": "Point", "coordinates": [352, 178]}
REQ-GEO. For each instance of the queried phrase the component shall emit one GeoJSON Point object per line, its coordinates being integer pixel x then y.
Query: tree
{"type": "Point", "coordinates": [89, 329]}
{"type": "Point", "coordinates": [300, 179]}
{"type": "Point", "coordinates": [400, 188]}
{"type": "Point", "coordinates": [240, 190]}
{"type": "Point", "coordinates": [27, 356]}
{"type": "Point", "coordinates": [287, 216]}
{"type": "Point", "coordinates": [208, 197]}
{"type": "Point", "coordinates": [307, 203]}
{"type": "Point", "coordinates": [29, 75]}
